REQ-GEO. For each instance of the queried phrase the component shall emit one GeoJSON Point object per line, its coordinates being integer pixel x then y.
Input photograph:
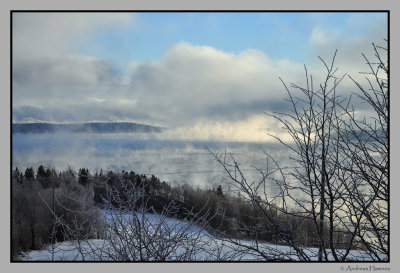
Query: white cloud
{"type": "Point", "coordinates": [325, 40]}
{"type": "Point", "coordinates": [194, 82]}
{"type": "Point", "coordinates": [202, 92]}
{"type": "Point", "coordinates": [251, 129]}
{"type": "Point", "coordinates": [46, 34]}
{"type": "Point", "coordinates": [45, 70]}
{"type": "Point", "coordinates": [198, 91]}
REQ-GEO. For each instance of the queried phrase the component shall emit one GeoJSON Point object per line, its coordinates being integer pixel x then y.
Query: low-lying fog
{"type": "Point", "coordinates": [174, 161]}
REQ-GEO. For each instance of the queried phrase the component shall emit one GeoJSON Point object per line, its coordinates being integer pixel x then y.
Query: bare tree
{"type": "Point", "coordinates": [365, 148]}
{"type": "Point", "coordinates": [336, 189]}
{"type": "Point", "coordinates": [75, 217]}
{"type": "Point", "coordinates": [132, 230]}
{"type": "Point", "coordinates": [137, 233]}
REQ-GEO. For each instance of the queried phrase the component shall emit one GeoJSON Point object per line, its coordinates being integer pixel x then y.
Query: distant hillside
{"type": "Point", "coordinates": [99, 128]}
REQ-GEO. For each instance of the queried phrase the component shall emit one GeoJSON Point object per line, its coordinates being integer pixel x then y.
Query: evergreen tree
{"type": "Point", "coordinates": [29, 173]}
{"type": "Point", "coordinates": [219, 191]}
{"type": "Point", "coordinates": [83, 176]}
{"type": "Point", "coordinates": [41, 172]}
{"type": "Point", "coordinates": [17, 175]}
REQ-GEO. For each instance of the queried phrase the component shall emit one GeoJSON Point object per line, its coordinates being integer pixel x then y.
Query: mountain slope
{"type": "Point", "coordinates": [99, 128]}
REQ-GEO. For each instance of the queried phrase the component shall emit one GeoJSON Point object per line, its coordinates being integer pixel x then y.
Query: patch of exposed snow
{"type": "Point", "coordinates": [212, 248]}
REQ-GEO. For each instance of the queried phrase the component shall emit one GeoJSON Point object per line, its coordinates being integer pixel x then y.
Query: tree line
{"type": "Point", "coordinates": [46, 203]}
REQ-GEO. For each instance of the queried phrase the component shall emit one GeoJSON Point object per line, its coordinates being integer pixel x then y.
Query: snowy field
{"type": "Point", "coordinates": [208, 248]}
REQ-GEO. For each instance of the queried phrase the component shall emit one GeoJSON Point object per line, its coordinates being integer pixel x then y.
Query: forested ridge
{"type": "Point", "coordinates": [94, 127]}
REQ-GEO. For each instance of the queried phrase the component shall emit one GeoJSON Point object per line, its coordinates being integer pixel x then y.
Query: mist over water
{"type": "Point", "coordinates": [175, 161]}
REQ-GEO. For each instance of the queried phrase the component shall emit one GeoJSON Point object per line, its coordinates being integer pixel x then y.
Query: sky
{"type": "Point", "coordinates": [204, 75]}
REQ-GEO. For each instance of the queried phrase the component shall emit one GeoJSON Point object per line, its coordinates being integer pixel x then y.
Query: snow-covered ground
{"type": "Point", "coordinates": [209, 247]}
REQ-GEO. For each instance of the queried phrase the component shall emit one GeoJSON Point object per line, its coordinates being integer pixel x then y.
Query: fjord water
{"type": "Point", "coordinates": [175, 161]}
